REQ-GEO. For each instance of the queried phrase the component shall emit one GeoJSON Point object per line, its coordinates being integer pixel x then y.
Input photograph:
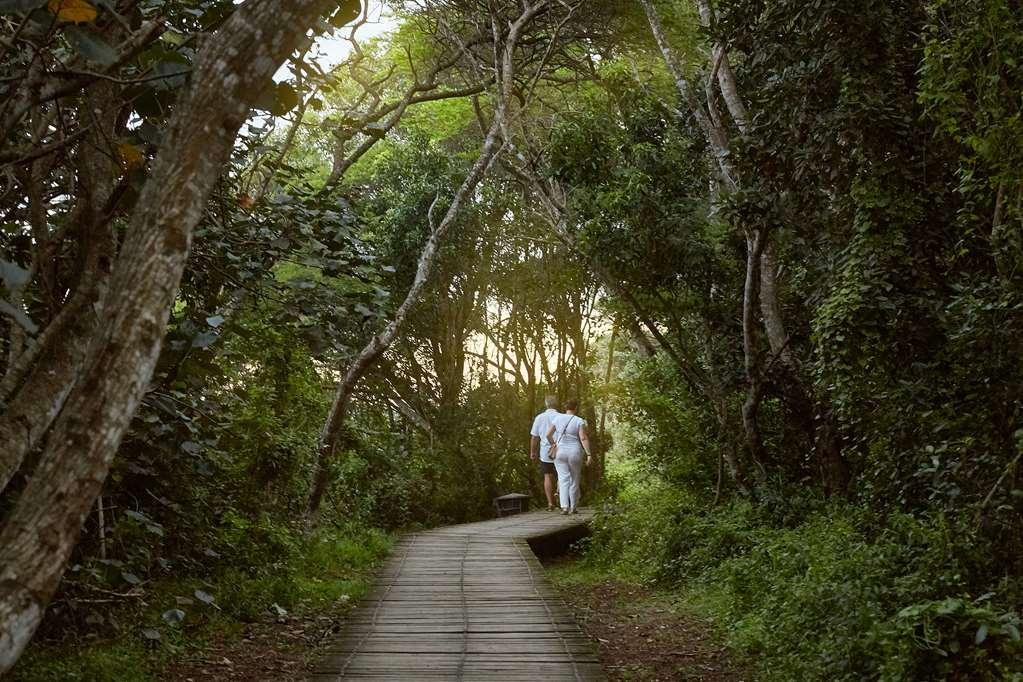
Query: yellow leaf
{"type": "Point", "coordinates": [129, 156]}
{"type": "Point", "coordinates": [77, 11]}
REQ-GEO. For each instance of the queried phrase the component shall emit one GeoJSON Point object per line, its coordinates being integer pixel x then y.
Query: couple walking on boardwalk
{"type": "Point", "coordinates": [559, 441]}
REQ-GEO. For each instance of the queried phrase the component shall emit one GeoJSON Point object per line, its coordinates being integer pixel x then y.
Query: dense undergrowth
{"type": "Point", "coordinates": [810, 589]}
{"type": "Point", "coordinates": [170, 618]}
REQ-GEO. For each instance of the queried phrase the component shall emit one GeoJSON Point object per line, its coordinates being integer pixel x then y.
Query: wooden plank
{"type": "Point", "coordinates": [465, 602]}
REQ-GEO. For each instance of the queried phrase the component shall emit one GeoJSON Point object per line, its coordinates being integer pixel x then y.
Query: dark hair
{"type": "Point", "coordinates": [572, 404]}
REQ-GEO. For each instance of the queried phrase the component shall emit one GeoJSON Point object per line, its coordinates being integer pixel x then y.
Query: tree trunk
{"type": "Point", "coordinates": [36, 388]}
{"type": "Point", "coordinates": [755, 243]}
{"type": "Point", "coordinates": [43, 525]}
{"type": "Point", "coordinates": [608, 373]}
{"type": "Point", "coordinates": [726, 78]}
{"type": "Point", "coordinates": [716, 135]}
{"type": "Point", "coordinates": [726, 433]}
{"type": "Point", "coordinates": [504, 69]}
{"type": "Point", "coordinates": [770, 310]}
{"type": "Point", "coordinates": [382, 341]}
{"type": "Point", "coordinates": [814, 416]}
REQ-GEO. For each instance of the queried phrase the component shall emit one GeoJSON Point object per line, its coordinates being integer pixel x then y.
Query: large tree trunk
{"type": "Point", "coordinates": [44, 523]}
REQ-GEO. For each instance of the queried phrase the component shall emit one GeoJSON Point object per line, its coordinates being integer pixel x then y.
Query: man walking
{"type": "Point", "coordinates": [538, 446]}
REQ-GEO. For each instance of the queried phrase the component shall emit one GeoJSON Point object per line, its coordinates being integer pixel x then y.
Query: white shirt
{"type": "Point", "coordinates": [566, 431]}
{"type": "Point", "coordinates": [541, 424]}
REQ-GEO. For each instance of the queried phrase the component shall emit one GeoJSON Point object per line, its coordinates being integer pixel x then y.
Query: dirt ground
{"type": "Point", "coordinates": [643, 635]}
{"type": "Point", "coordinates": [281, 650]}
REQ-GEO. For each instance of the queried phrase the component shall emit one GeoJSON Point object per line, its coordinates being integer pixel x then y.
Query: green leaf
{"type": "Point", "coordinates": [168, 75]}
{"type": "Point", "coordinates": [981, 634]}
{"type": "Point", "coordinates": [277, 99]}
{"type": "Point", "coordinates": [91, 46]}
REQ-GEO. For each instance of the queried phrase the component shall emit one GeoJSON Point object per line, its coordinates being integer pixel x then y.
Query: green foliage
{"type": "Point", "coordinates": [311, 572]}
{"type": "Point", "coordinates": [846, 594]}
{"type": "Point", "coordinates": [276, 566]}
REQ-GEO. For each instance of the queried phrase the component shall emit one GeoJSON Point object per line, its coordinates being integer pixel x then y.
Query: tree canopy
{"type": "Point", "coordinates": [251, 300]}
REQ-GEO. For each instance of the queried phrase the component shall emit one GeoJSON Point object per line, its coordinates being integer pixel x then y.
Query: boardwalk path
{"type": "Point", "coordinates": [466, 602]}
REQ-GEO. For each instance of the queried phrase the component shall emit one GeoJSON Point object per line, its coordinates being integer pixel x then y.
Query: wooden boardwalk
{"type": "Point", "coordinates": [466, 602]}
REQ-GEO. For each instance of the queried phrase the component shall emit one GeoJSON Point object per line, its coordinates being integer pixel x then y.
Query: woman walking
{"type": "Point", "coordinates": [568, 440]}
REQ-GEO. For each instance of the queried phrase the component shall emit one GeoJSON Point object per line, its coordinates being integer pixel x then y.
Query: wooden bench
{"type": "Point", "coordinates": [512, 503]}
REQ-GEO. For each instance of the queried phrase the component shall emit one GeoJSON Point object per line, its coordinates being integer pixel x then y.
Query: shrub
{"type": "Point", "coordinates": [842, 595]}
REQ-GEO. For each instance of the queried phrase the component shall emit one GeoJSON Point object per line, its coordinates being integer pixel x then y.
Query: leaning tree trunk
{"type": "Point", "coordinates": [717, 136]}
{"type": "Point", "coordinates": [379, 344]}
{"type": "Point", "coordinates": [43, 525]}
{"type": "Point", "coordinates": [504, 69]}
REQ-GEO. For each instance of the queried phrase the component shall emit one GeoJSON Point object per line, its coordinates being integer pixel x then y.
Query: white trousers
{"type": "Point", "coordinates": [569, 465]}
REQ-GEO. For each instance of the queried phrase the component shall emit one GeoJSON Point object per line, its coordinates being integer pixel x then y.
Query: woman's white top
{"type": "Point", "coordinates": [566, 431]}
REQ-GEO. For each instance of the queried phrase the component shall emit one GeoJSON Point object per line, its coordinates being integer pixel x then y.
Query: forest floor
{"type": "Point", "coordinates": [642, 634]}
{"type": "Point", "coordinates": [281, 649]}
{"type": "Point", "coordinates": [285, 649]}
{"type": "Point", "coordinates": [243, 634]}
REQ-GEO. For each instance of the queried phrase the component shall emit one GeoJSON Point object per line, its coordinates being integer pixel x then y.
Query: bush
{"type": "Point", "coordinates": [843, 595]}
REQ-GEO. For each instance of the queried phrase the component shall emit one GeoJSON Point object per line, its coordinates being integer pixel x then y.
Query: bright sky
{"type": "Point", "coordinates": [331, 51]}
